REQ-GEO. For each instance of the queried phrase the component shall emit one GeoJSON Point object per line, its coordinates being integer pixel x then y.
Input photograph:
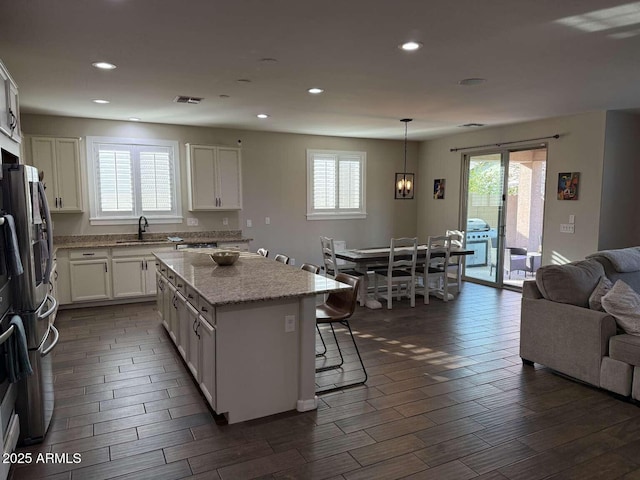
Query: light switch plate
{"type": "Point", "coordinates": [225, 221]}
{"type": "Point", "coordinates": [192, 222]}
{"type": "Point", "coordinates": [249, 224]}
{"type": "Point", "coordinates": [289, 323]}
{"type": "Point", "coordinates": [567, 228]}
{"type": "Point", "coordinates": [267, 220]}
{"type": "Point", "coordinates": [572, 219]}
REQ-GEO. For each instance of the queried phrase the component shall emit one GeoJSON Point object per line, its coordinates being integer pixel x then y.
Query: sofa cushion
{"type": "Point", "coordinates": [595, 299]}
{"type": "Point", "coordinates": [570, 283]}
{"type": "Point", "coordinates": [623, 303]}
{"type": "Point", "coordinates": [625, 348]}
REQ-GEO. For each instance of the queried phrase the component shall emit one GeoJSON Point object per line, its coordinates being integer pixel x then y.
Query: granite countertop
{"type": "Point", "coordinates": [252, 278]}
{"type": "Point", "coordinates": [131, 240]}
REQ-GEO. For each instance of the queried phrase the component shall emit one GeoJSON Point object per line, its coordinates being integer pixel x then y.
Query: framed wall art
{"type": "Point", "coordinates": [568, 185]}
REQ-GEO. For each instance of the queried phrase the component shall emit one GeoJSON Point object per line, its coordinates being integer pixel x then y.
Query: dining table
{"type": "Point", "coordinates": [366, 259]}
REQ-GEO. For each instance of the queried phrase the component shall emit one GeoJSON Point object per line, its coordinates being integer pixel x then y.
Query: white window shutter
{"type": "Point", "coordinates": [156, 181]}
{"type": "Point", "coordinates": [324, 182]}
{"type": "Point", "coordinates": [115, 180]}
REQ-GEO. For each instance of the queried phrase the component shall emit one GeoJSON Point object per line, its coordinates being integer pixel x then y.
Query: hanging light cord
{"type": "Point", "coordinates": [404, 176]}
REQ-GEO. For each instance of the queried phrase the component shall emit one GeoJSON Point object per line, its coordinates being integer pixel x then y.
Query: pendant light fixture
{"type": "Point", "coordinates": [404, 186]}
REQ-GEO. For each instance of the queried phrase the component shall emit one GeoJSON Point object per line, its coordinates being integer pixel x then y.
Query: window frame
{"type": "Point", "coordinates": [93, 190]}
{"type": "Point", "coordinates": [336, 213]}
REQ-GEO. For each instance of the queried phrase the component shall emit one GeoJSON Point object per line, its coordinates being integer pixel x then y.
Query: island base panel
{"type": "Point", "coordinates": [257, 359]}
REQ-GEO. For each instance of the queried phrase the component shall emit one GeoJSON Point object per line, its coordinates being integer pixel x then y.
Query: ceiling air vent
{"type": "Point", "coordinates": [184, 99]}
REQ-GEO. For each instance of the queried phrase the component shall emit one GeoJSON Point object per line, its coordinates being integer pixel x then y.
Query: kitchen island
{"type": "Point", "coordinates": [245, 331]}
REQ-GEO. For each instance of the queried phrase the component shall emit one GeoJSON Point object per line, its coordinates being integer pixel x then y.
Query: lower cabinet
{"type": "Point", "coordinates": [90, 280]}
{"type": "Point", "coordinates": [100, 274]}
{"type": "Point", "coordinates": [174, 326]}
{"type": "Point", "coordinates": [193, 347]}
{"type": "Point", "coordinates": [189, 322]}
{"type": "Point", "coordinates": [207, 353]}
{"type": "Point", "coordinates": [161, 300]}
{"type": "Point", "coordinates": [129, 277]}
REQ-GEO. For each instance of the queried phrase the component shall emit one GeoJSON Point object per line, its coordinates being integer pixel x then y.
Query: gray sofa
{"type": "Point", "coordinates": [560, 331]}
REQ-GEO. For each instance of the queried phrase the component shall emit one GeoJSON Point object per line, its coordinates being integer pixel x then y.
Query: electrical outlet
{"type": "Point", "coordinates": [225, 221]}
{"type": "Point", "coordinates": [267, 221]}
{"type": "Point", "coordinates": [289, 323]}
{"type": "Point", "coordinates": [567, 228]}
{"type": "Point", "coordinates": [292, 261]}
{"type": "Point", "coordinates": [192, 222]}
{"type": "Point", "coordinates": [249, 224]}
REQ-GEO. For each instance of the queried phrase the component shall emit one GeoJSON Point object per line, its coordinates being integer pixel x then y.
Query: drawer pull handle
{"type": "Point", "coordinates": [204, 309]}
{"type": "Point", "coordinates": [88, 254]}
{"type": "Point", "coordinates": [189, 296]}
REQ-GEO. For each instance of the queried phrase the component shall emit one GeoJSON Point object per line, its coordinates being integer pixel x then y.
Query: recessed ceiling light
{"type": "Point", "coordinates": [104, 65]}
{"type": "Point", "coordinates": [315, 90]}
{"type": "Point", "coordinates": [262, 115]}
{"type": "Point", "coordinates": [100, 101]}
{"type": "Point", "coordinates": [134, 119]}
{"type": "Point", "coordinates": [411, 46]}
{"type": "Point", "coordinates": [471, 81]}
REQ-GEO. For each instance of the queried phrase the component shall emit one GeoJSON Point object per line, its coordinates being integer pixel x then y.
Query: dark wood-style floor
{"type": "Point", "coordinates": [447, 398]}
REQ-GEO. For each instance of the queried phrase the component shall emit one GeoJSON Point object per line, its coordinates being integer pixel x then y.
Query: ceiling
{"type": "Point", "coordinates": [541, 59]}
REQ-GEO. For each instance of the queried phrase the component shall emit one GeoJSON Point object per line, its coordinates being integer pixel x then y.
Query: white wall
{"type": "Point", "coordinates": [580, 148]}
{"type": "Point", "coordinates": [274, 185]}
{"type": "Point", "coordinates": [619, 225]}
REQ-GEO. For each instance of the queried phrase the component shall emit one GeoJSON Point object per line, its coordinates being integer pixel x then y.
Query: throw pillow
{"type": "Point", "coordinates": [570, 283]}
{"type": "Point", "coordinates": [595, 299]}
{"type": "Point", "coordinates": [623, 303]}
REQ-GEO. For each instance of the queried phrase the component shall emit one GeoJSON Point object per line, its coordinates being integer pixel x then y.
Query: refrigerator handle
{"type": "Point", "coordinates": [47, 217]}
{"type": "Point", "coordinates": [54, 307]}
{"type": "Point", "coordinates": [48, 350]}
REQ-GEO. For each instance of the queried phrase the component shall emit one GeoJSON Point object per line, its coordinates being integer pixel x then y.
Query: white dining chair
{"type": "Point", "coordinates": [433, 273]}
{"type": "Point", "coordinates": [333, 266]}
{"type": "Point", "coordinates": [456, 262]}
{"type": "Point", "coordinates": [401, 270]}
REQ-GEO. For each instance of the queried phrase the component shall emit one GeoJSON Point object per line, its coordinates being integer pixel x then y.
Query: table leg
{"type": "Point", "coordinates": [370, 301]}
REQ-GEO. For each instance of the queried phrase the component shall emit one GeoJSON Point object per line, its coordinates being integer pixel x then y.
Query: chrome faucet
{"type": "Point", "coordinates": [142, 227]}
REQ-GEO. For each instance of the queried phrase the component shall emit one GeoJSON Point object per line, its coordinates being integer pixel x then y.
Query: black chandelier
{"type": "Point", "coordinates": [404, 181]}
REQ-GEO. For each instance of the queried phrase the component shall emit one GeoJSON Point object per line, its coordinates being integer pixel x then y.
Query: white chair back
{"type": "Point", "coordinates": [329, 256]}
{"type": "Point", "coordinates": [400, 248]}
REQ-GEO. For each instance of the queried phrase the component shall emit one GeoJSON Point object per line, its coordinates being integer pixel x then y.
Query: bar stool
{"type": "Point", "coordinates": [282, 259]}
{"type": "Point", "coordinates": [337, 309]}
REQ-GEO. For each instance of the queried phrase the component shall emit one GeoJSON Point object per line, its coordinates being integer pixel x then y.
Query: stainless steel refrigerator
{"type": "Point", "coordinates": [23, 197]}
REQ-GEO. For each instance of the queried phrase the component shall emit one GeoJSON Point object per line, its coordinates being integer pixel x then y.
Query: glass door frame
{"type": "Point", "coordinates": [504, 153]}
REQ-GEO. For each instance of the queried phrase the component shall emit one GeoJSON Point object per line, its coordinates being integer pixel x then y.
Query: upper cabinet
{"type": "Point", "coordinates": [215, 177]}
{"type": "Point", "coordinates": [59, 160]}
{"type": "Point", "coordinates": [9, 106]}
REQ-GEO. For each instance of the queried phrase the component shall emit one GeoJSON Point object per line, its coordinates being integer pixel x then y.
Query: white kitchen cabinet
{"type": "Point", "coordinates": [193, 348]}
{"type": "Point", "coordinates": [90, 279]}
{"type": "Point", "coordinates": [207, 353]}
{"type": "Point", "coordinates": [172, 311]}
{"type": "Point", "coordinates": [59, 160]}
{"type": "Point", "coordinates": [150, 283]}
{"type": "Point", "coordinates": [214, 178]}
{"type": "Point", "coordinates": [9, 106]}
{"type": "Point", "coordinates": [162, 300]}
{"type": "Point", "coordinates": [129, 277]}
{"type": "Point", "coordinates": [184, 325]}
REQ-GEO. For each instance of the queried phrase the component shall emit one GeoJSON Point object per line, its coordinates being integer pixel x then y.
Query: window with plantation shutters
{"type": "Point", "coordinates": [335, 184]}
{"type": "Point", "coordinates": [130, 178]}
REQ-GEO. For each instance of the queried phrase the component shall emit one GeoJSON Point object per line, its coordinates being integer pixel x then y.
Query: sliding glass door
{"type": "Point", "coordinates": [503, 211]}
{"type": "Point", "coordinates": [484, 218]}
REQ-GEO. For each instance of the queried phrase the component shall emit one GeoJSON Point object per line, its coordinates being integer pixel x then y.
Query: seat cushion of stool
{"type": "Point", "coordinates": [327, 314]}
